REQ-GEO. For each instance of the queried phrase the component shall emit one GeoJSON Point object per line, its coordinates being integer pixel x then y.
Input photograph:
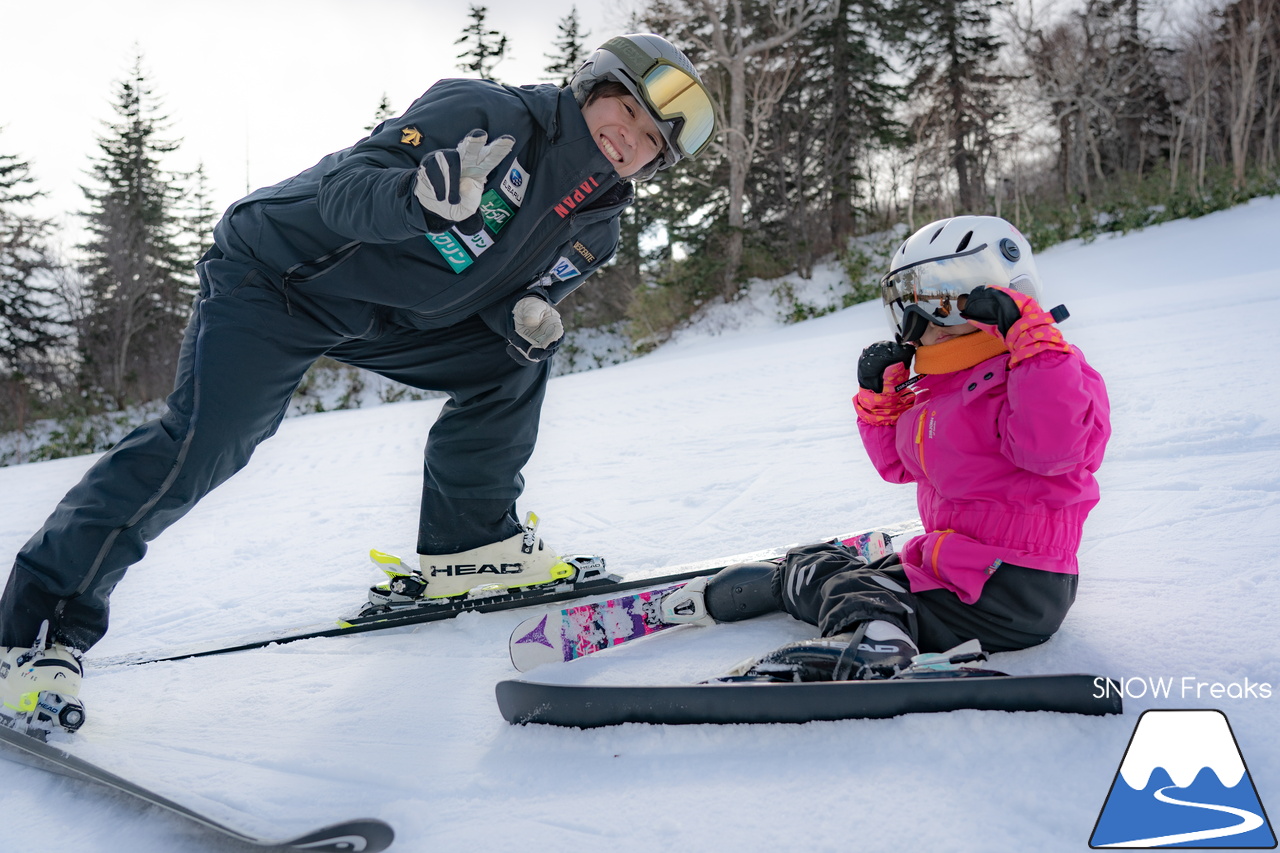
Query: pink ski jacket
{"type": "Point", "coordinates": [1003, 462]}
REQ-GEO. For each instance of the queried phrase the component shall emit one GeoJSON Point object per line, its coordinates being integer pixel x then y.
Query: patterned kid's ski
{"type": "Point", "coordinates": [589, 628]}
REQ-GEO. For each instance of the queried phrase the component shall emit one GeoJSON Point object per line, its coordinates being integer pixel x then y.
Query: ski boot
{"type": "Point", "coordinates": [950, 664]}
{"type": "Point", "coordinates": [39, 687]}
{"type": "Point", "coordinates": [742, 591]}
{"type": "Point", "coordinates": [494, 569]}
{"type": "Point", "coordinates": [875, 650]}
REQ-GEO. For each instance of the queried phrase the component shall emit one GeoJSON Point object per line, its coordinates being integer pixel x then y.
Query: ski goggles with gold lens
{"type": "Point", "coordinates": [936, 290]}
{"type": "Point", "coordinates": [672, 94]}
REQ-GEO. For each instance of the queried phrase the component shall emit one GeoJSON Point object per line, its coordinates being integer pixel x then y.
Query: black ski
{"type": "Point", "coordinates": [421, 612]}
{"type": "Point", "coordinates": [588, 706]}
{"type": "Point", "coordinates": [367, 835]}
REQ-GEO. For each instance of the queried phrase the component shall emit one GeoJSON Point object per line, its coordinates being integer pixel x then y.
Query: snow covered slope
{"type": "Point", "coordinates": [712, 445]}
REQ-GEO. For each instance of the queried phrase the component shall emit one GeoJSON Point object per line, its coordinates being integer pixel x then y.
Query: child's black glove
{"type": "Point", "coordinates": [1017, 319]}
{"type": "Point", "coordinates": [992, 307]}
{"type": "Point", "coordinates": [878, 358]}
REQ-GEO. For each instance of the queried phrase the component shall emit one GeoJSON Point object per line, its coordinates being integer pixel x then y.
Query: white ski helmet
{"type": "Point", "coordinates": [935, 268]}
{"type": "Point", "coordinates": [665, 82]}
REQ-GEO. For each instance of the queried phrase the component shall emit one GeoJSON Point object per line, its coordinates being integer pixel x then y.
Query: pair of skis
{"type": "Point", "coordinates": [589, 628]}
{"type": "Point", "coordinates": [584, 706]}
{"type": "Point", "coordinates": [366, 834]}
{"type": "Point", "coordinates": [589, 579]}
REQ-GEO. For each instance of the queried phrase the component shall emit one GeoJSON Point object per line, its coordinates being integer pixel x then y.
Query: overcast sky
{"type": "Point", "coordinates": [257, 90]}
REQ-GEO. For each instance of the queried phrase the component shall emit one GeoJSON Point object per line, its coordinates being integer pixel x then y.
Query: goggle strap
{"type": "Point", "coordinates": [636, 60]}
{"type": "Point", "coordinates": [914, 323]}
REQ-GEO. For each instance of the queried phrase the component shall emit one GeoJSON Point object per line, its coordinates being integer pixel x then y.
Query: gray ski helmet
{"type": "Point", "coordinates": [665, 82]}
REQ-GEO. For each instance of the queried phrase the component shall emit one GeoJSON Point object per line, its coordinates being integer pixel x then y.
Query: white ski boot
{"type": "Point", "coordinates": [497, 568]}
{"type": "Point", "coordinates": [39, 687]}
{"type": "Point", "coordinates": [737, 592]}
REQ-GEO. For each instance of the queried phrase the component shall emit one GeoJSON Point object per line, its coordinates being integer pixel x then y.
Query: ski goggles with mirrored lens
{"type": "Point", "coordinates": [672, 94]}
{"type": "Point", "coordinates": [937, 289]}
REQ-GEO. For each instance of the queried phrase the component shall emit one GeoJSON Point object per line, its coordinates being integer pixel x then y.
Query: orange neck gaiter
{"type": "Point", "coordinates": [958, 353]}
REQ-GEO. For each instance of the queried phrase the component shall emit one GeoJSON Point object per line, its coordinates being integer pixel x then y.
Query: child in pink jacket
{"type": "Point", "coordinates": [1001, 429]}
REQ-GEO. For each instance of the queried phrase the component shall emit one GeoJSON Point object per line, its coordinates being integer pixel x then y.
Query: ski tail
{"type": "Point", "coordinates": [366, 834]}
{"type": "Point", "coordinates": [589, 706]}
{"type": "Point", "coordinates": [588, 628]}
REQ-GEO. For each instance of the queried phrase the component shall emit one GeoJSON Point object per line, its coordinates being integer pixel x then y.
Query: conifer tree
{"type": "Point", "coordinates": [384, 112]}
{"type": "Point", "coordinates": [811, 184]}
{"type": "Point", "coordinates": [483, 48]}
{"type": "Point", "coordinates": [1144, 116]}
{"type": "Point", "coordinates": [570, 51]}
{"type": "Point", "coordinates": [745, 53]}
{"type": "Point", "coordinates": [138, 288]}
{"type": "Point", "coordinates": [27, 328]}
{"type": "Point", "coordinates": [953, 50]}
{"type": "Point", "coordinates": [197, 216]}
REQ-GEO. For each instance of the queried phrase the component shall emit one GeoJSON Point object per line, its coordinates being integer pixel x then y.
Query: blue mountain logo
{"type": "Point", "coordinates": [1183, 783]}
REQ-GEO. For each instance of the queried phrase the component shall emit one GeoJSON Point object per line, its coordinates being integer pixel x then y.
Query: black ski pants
{"type": "Point", "coordinates": [836, 589]}
{"type": "Point", "coordinates": [245, 350]}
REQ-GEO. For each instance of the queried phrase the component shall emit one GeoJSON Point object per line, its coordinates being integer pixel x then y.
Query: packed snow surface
{"type": "Point", "coordinates": [721, 442]}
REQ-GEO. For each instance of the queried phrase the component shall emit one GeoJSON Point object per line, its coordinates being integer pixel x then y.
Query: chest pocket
{"type": "Point", "coordinates": [983, 379]}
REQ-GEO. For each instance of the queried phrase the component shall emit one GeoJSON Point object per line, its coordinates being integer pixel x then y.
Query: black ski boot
{"type": "Point", "coordinates": [874, 650]}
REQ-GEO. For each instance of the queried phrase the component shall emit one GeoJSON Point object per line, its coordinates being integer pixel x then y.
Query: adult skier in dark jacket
{"type": "Point", "coordinates": [432, 252]}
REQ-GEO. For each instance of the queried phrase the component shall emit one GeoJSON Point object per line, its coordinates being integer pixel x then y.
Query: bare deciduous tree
{"type": "Point", "coordinates": [1245, 29]}
{"type": "Point", "coordinates": [749, 44]}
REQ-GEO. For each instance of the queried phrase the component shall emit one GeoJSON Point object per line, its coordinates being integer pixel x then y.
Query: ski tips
{"type": "Point", "coordinates": [366, 835]}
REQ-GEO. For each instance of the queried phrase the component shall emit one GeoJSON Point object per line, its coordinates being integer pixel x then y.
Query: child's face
{"type": "Point", "coordinates": [624, 132]}
{"type": "Point", "coordinates": [936, 334]}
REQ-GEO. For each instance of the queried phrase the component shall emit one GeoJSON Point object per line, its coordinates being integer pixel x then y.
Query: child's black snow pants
{"type": "Point", "coordinates": [836, 589]}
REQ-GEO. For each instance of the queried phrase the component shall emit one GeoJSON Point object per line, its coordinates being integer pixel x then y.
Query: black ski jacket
{"type": "Point", "coordinates": [350, 225]}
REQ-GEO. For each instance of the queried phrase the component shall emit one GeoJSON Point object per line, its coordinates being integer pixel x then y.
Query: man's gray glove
{"type": "Point", "coordinates": [451, 180]}
{"type": "Point", "coordinates": [537, 330]}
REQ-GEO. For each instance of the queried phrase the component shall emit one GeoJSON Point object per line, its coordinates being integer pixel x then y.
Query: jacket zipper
{"type": "Point", "coordinates": [937, 546]}
{"type": "Point", "coordinates": [920, 440]}
{"type": "Point", "coordinates": [326, 263]}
